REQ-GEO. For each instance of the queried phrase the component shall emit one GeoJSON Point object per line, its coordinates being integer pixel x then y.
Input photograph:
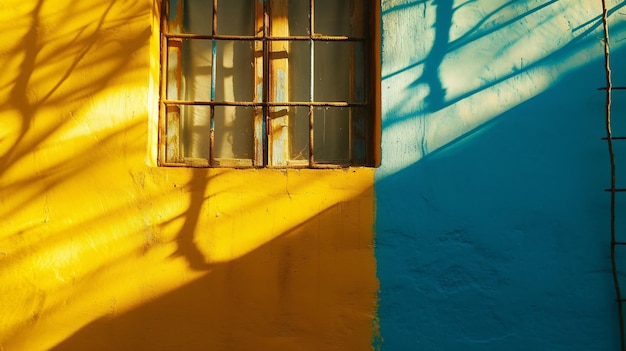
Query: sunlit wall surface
{"type": "Point", "coordinates": [102, 250]}
{"type": "Point", "coordinates": [492, 227]}
{"type": "Point", "coordinates": [491, 223]}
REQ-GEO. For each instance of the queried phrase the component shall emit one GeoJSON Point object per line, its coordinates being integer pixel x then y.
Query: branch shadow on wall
{"type": "Point", "coordinates": [303, 282]}
{"type": "Point", "coordinates": [442, 47]}
{"type": "Point", "coordinates": [29, 93]}
{"type": "Point", "coordinates": [50, 97]}
{"type": "Point", "coordinates": [499, 239]}
{"type": "Point", "coordinates": [80, 204]}
{"type": "Point", "coordinates": [56, 79]}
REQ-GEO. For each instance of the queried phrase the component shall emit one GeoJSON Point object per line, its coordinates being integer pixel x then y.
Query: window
{"type": "Point", "coordinates": [274, 83]}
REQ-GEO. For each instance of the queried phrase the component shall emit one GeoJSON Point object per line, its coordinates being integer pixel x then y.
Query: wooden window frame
{"type": "Point", "coordinates": [266, 144]}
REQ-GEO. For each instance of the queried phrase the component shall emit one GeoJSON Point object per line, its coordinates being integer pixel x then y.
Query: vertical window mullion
{"type": "Point", "coordinates": [351, 123]}
{"type": "Point", "coordinates": [355, 32]}
{"type": "Point", "coordinates": [266, 80]}
{"type": "Point", "coordinates": [163, 86]}
{"type": "Point", "coordinates": [171, 113]}
{"type": "Point", "coordinates": [259, 62]}
{"type": "Point", "coordinates": [312, 79]}
{"type": "Point", "coordinates": [278, 120]}
{"type": "Point", "coordinates": [212, 94]}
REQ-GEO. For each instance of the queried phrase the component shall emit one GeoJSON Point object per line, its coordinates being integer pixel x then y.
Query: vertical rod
{"type": "Point", "coordinates": [213, 51]}
{"type": "Point", "coordinates": [162, 135]}
{"type": "Point", "coordinates": [266, 79]}
{"type": "Point", "coordinates": [351, 126]}
{"type": "Point", "coordinates": [312, 78]}
{"type": "Point", "coordinates": [609, 135]}
{"type": "Point", "coordinates": [259, 115]}
{"type": "Point", "coordinates": [213, 73]}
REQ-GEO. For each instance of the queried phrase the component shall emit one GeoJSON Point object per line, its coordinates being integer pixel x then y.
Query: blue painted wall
{"type": "Point", "coordinates": [492, 224]}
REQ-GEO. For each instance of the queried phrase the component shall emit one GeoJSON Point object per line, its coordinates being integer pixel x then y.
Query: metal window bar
{"type": "Point", "coordinates": [260, 136]}
{"type": "Point", "coordinates": [162, 87]}
{"type": "Point", "coordinates": [351, 124]}
{"type": "Point", "coordinates": [613, 190]}
{"type": "Point", "coordinates": [213, 77]}
{"type": "Point", "coordinates": [269, 103]}
{"type": "Point", "coordinates": [312, 75]}
{"type": "Point", "coordinates": [262, 102]}
{"type": "Point", "coordinates": [265, 38]}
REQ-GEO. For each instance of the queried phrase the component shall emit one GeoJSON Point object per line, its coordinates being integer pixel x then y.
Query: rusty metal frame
{"type": "Point", "coordinates": [269, 103]}
{"type": "Point", "coordinates": [163, 84]}
{"type": "Point", "coordinates": [265, 38]}
{"type": "Point", "coordinates": [261, 146]}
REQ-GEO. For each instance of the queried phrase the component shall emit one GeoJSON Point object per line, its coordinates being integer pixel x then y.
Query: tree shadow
{"type": "Point", "coordinates": [430, 75]}
{"type": "Point", "coordinates": [59, 140]}
{"type": "Point", "coordinates": [488, 212]}
{"type": "Point", "coordinates": [310, 288]}
{"type": "Point", "coordinates": [82, 213]}
{"type": "Point", "coordinates": [26, 98]}
{"type": "Point", "coordinates": [436, 99]}
{"type": "Point", "coordinates": [510, 200]}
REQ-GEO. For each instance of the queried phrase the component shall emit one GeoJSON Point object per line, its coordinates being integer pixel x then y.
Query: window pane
{"type": "Point", "coordinates": [234, 76]}
{"type": "Point", "coordinates": [234, 136]}
{"type": "Point", "coordinates": [359, 83]}
{"type": "Point", "coordinates": [362, 127]}
{"type": "Point", "coordinates": [196, 70]}
{"type": "Point", "coordinates": [172, 130]}
{"type": "Point", "coordinates": [298, 17]}
{"type": "Point", "coordinates": [196, 131]}
{"type": "Point", "coordinates": [197, 16]}
{"type": "Point", "coordinates": [334, 17]}
{"type": "Point", "coordinates": [235, 17]}
{"type": "Point", "coordinates": [331, 135]}
{"type": "Point", "coordinates": [333, 71]}
{"type": "Point", "coordinates": [299, 71]}
{"type": "Point", "coordinates": [299, 133]}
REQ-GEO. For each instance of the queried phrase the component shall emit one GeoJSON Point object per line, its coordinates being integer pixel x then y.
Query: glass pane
{"type": "Point", "coordinates": [235, 17]}
{"type": "Point", "coordinates": [299, 133]}
{"type": "Point", "coordinates": [196, 70]}
{"type": "Point", "coordinates": [298, 17]}
{"type": "Point", "coordinates": [333, 71]}
{"type": "Point", "coordinates": [234, 132]}
{"type": "Point", "coordinates": [299, 71]}
{"type": "Point", "coordinates": [333, 17]}
{"type": "Point", "coordinates": [174, 74]}
{"type": "Point", "coordinates": [331, 135]}
{"type": "Point", "coordinates": [172, 128]}
{"type": "Point", "coordinates": [197, 16]}
{"type": "Point", "coordinates": [359, 84]}
{"type": "Point", "coordinates": [362, 127]}
{"type": "Point", "coordinates": [234, 76]}
{"type": "Point", "coordinates": [196, 131]}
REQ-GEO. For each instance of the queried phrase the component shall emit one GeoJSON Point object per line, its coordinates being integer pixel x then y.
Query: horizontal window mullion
{"type": "Point", "coordinates": [329, 165]}
{"type": "Point", "coordinates": [252, 37]}
{"type": "Point", "coordinates": [271, 104]}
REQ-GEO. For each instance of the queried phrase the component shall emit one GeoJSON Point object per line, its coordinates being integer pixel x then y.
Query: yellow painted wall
{"type": "Point", "coordinates": [101, 250]}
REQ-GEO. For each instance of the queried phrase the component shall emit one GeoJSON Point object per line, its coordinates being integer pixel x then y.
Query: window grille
{"type": "Point", "coordinates": [274, 83]}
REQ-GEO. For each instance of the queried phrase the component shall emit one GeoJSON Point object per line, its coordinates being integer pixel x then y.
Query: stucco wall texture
{"type": "Point", "coordinates": [102, 250]}
{"type": "Point", "coordinates": [492, 226]}
{"type": "Point", "coordinates": [486, 226]}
